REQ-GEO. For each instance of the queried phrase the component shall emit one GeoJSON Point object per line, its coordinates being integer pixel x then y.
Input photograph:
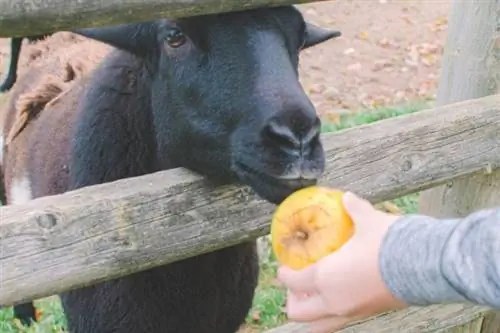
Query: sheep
{"type": "Point", "coordinates": [32, 55]}
{"type": "Point", "coordinates": [25, 311]}
{"type": "Point", "coordinates": [49, 66]}
{"type": "Point", "coordinates": [15, 51]}
{"type": "Point", "coordinates": [217, 94]}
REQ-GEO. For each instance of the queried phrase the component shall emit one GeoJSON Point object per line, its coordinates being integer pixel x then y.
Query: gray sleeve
{"type": "Point", "coordinates": [427, 261]}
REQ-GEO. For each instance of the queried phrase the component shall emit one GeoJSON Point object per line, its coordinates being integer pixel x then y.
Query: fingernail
{"type": "Point", "coordinates": [348, 197]}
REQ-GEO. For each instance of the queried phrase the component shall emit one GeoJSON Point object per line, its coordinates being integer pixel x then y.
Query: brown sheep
{"type": "Point", "coordinates": [217, 94]}
{"type": "Point", "coordinates": [50, 69]}
{"type": "Point", "coordinates": [16, 44]}
{"type": "Point", "coordinates": [32, 53]}
{"type": "Point", "coordinates": [53, 66]}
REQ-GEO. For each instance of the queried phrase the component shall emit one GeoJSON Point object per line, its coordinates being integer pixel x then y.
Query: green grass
{"type": "Point", "coordinates": [53, 320]}
{"type": "Point", "coordinates": [267, 311]}
{"type": "Point", "coordinates": [369, 116]}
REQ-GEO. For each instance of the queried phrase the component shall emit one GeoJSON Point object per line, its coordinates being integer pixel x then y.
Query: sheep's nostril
{"type": "Point", "coordinates": [280, 134]}
{"type": "Point", "coordinates": [296, 137]}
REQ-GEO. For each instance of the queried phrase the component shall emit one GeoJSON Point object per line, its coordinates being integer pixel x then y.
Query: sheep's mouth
{"type": "Point", "coordinates": [271, 188]}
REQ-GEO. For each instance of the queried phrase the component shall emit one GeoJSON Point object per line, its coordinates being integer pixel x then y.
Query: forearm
{"type": "Point", "coordinates": [429, 261]}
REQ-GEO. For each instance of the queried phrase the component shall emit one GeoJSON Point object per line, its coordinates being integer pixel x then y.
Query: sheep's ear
{"type": "Point", "coordinates": [136, 38]}
{"type": "Point", "coordinates": [316, 35]}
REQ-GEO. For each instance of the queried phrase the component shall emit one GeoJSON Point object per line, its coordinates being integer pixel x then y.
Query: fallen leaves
{"type": "Point", "coordinates": [349, 51]}
{"type": "Point", "coordinates": [255, 315]}
{"type": "Point", "coordinates": [363, 35]}
{"type": "Point", "coordinates": [426, 54]}
{"type": "Point", "coordinates": [387, 43]}
{"type": "Point", "coordinates": [440, 24]}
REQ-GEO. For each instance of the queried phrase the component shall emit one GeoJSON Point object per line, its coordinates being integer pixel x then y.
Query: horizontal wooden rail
{"type": "Point", "coordinates": [33, 17]}
{"type": "Point", "coordinates": [57, 243]}
{"type": "Point", "coordinates": [454, 318]}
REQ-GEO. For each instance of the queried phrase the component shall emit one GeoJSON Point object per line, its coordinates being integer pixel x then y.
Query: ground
{"type": "Point", "coordinates": [389, 53]}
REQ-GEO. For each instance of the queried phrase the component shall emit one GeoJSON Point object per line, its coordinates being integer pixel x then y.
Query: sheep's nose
{"type": "Point", "coordinates": [292, 133]}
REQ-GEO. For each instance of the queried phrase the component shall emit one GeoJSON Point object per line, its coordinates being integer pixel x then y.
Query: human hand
{"type": "Point", "coordinates": [347, 285]}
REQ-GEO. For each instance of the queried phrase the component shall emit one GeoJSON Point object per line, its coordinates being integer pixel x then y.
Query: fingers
{"type": "Point", "coordinates": [300, 308]}
{"type": "Point", "coordinates": [356, 206]}
{"type": "Point", "coordinates": [364, 214]}
{"type": "Point", "coordinates": [298, 281]}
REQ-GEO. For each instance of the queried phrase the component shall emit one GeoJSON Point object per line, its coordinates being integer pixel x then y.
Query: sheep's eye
{"type": "Point", "coordinates": [176, 38]}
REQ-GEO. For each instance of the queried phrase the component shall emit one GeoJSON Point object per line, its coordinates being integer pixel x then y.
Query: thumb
{"type": "Point", "coordinates": [298, 281]}
{"type": "Point", "coordinates": [358, 209]}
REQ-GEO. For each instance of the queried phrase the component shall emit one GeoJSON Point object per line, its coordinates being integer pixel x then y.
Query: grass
{"type": "Point", "coordinates": [267, 311]}
{"type": "Point", "coordinates": [52, 320]}
{"type": "Point", "coordinates": [369, 116]}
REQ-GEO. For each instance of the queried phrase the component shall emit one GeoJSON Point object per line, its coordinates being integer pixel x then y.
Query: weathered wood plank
{"type": "Point", "coordinates": [33, 17]}
{"type": "Point", "coordinates": [101, 232]}
{"type": "Point", "coordinates": [456, 318]}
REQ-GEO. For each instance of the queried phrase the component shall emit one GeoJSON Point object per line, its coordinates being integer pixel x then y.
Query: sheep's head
{"type": "Point", "coordinates": [226, 98]}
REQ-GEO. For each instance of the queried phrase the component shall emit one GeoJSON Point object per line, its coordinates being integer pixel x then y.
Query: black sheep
{"type": "Point", "coordinates": [217, 94]}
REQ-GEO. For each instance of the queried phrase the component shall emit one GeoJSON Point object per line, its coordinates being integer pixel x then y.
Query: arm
{"type": "Point", "coordinates": [427, 261]}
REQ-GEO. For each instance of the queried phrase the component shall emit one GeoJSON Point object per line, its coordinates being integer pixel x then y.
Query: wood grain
{"type": "Point", "coordinates": [454, 318]}
{"type": "Point", "coordinates": [61, 242]}
{"type": "Point", "coordinates": [33, 17]}
{"type": "Point", "coordinates": [470, 69]}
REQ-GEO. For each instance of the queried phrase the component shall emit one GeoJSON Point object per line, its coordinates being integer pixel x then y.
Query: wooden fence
{"type": "Point", "coordinates": [56, 243]}
{"type": "Point", "coordinates": [32, 17]}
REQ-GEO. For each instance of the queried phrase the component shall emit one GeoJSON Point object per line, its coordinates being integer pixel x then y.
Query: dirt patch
{"type": "Point", "coordinates": [389, 52]}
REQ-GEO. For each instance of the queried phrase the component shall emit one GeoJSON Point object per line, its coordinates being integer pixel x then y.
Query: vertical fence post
{"type": "Point", "coordinates": [470, 69]}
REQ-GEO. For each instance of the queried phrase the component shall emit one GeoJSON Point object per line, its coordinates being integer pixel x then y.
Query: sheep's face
{"type": "Point", "coordinates": [226, 99]}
